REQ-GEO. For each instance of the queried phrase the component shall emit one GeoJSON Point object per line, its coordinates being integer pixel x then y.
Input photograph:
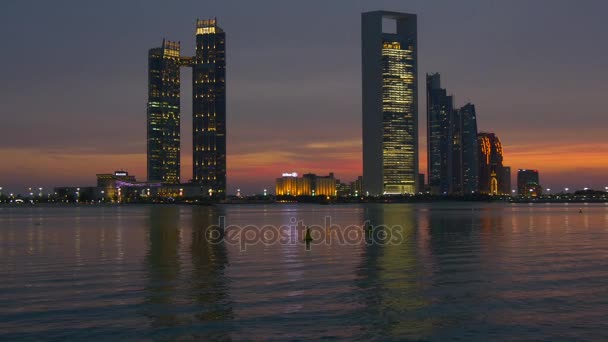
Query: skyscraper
{"type": "Point", "coordinates": [470, 178]}
{"type": "Point", "coordinates": [390, 103]}
{"type": "Point", "coordinates": [208, 110]}
{"type": "Point", "coordinates": [209, 107]}
{"type": "Point", "coordinates": [490, 163]}
{"type": "Point", "coordinates": [440, 122]}
{"type": "Point", "coordinates": [163, 113]}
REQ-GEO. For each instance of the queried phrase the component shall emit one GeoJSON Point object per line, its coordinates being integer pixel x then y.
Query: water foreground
{"type": "Point", "coordinates": [436, 271]}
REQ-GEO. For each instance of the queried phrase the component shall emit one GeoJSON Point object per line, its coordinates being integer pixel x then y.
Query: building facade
{"type": "Point", "coordinates": [163, 113]}
{"type": "Point", "coordinates": [490, 163]}
{"type": "Point", "coordinates": [440, 112]}
{"type": "Point", "coordinates": [469, 169]}
{"type": "Point", "coordinates": [208, 110]}
{"type": "Point", "coordinates": [528, 183]}
{"type": "Point", "coordinates": [289, 184]}
{"type": "Point", "coordinates": [209, 107]}
{"type": "Point", "coordinates": [505, 180]}
{"type": "Point", "coordinates": [390, 104]}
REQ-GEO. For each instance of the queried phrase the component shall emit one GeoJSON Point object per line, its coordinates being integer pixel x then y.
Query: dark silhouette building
{"type": "Point", "coordinates": [208, 106]}
{"type": "Point", "coordinates": [390, 103]}
{"type": "Point", "coordinates": [528, 183]}
{"type": "Point", "coordinates": [504, 181]}
{"type": "Point", "coordinates": [440, 112]}
{"type": "Point", "coordinates": [469, 149]}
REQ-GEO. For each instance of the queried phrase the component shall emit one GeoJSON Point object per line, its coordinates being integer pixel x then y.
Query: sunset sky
{"type": "Point", "coordinates": [74, 85]}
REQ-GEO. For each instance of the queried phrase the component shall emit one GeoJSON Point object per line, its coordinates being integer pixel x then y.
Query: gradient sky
{"type": "Point", "coordinates": [73, 84]}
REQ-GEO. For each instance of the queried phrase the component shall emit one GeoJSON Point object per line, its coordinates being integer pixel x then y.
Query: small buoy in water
{"type": "Point", "coordinates": [308, 237]}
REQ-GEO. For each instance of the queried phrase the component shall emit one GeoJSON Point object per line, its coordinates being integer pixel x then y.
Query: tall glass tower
{"type": "Point", "coordinates": [208, 110]}
{"type": "Point", "coordinates": [209, 107]}
{"type": "Point", "coordinates": [390, 103]}
{"type": "Point", "coordinates": [163, 113]}
{"type": "Point", "coordinates": [470, 178]}
{"type": "Point", "coordinates": [440, 128]}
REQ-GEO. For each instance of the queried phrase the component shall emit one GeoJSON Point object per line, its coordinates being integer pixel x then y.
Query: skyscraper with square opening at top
{"type": "Point", "coordinates": [390, 103]}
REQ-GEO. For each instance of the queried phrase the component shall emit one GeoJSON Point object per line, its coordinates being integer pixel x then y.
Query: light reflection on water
{"type": "Point", "coordinates": [468, 270]}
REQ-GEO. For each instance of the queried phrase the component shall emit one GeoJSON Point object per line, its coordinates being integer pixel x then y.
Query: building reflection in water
{"type": "Point", "coordinates": [209, 284]}
{"type": "Point", "coordinates": [163, 265]}
{"type": "Point", "coordinates": [179, 295]}
{"type": "Point", "coordinates": [388, 277]}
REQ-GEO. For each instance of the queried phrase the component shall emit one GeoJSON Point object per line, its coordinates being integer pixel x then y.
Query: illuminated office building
{"type": "Point", "coordinates": [209, 107]}
{"type": "Point", "coordinates": [490, 166]}
{"type": "Point", "coordinates": [440, 112]}
{"type": "Point", "coordinates": [208, 110]}
{"type": "Point", "coordinates": [163, 114]}
{"type": "Point", "coordinates": [390, 104]}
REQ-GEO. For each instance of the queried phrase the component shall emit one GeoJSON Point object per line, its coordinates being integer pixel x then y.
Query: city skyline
{"type": "Point", "coordinates": [67, 137]}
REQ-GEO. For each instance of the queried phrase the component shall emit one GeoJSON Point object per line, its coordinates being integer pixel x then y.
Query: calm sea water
{"type": "Point", "coordinates": [465, 271]}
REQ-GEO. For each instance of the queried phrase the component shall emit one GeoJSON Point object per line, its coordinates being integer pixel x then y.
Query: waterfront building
{"type": "Point", "coordinates": [208, 110]}
{"type": "Point", "coordinates": [356, 187]}
{"type": "Point", "coordinates": [343, 189]}
{"type": "Point", "coordinates": [469, 149]}
{"type": "Point", "coordinates": [528, 183]}
{"type": "Point", "coordinates": [390, 103]}
{"type": "Point", "coordinates": [289, 184]}
{"type": "Point", "coordinates": [505, 180]}
{"type": "Point", "coordinates": [440, 123]}
{"type": "Point", "coordinates": [421, 183]}
{"type": "Point", "coordinates": [163, 113]}
{"type": "Point", "coordinates": [209, 107]}
{"type": "Point", "coordinates": [490, 166]}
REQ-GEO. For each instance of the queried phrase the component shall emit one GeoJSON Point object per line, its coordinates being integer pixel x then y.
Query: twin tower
{"type": "Point", "coordinates": [208, 110]}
